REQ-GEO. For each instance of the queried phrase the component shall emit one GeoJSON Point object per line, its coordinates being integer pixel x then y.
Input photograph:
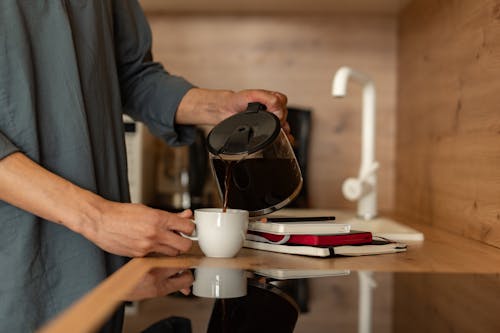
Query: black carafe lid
{"type": "Point", "coordinates": [245, 132]}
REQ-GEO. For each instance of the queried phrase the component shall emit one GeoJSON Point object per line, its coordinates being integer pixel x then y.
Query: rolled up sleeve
{"type": "Point", "coordinates": [6, 146]}
{"type": "Point", "coordinates": [149, 93]}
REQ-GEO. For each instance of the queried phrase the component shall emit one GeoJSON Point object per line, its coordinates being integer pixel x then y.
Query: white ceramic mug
{"type": "Point", "coordinates": [220, 234]}
{"type": "Point", "coordinates": [216, 282]}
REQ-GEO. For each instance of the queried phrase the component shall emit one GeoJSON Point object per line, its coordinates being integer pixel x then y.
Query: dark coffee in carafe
{"type": "Point", "coordinates": [253, 162]}
{"type": "Point", "coordinates": [256, 183]}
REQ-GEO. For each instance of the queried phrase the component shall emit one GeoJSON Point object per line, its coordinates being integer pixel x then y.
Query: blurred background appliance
{"type": "Point", "coordinates": [300, 123]}
{"type": "Point", "coordinates": [183, 178]}
{"type": "Point", "coordinates": [141, 161]}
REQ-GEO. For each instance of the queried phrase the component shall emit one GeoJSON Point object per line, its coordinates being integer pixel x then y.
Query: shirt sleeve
{"type": "Point", "coordinates": [6, 146]}
{"type": "Point", "coordinates": [149, 93]}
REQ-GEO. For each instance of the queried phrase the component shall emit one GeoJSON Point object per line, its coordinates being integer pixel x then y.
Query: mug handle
{"type": "Point", "coordinates": [193, 236]}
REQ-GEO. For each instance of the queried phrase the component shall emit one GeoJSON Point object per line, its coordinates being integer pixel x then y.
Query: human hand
{"type": "Point", "coordinates": [131, 230]}
{"type": "Point", "coordinates": [135, 230]}
{"type": "Point", "coordinates": [275, 103]}
{"type": "Point", "coordinates": [209, 107]}
{"type": "Point", "coordinates": [161, 281]}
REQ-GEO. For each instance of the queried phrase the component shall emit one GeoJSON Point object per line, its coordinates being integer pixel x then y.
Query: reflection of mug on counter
{"type": "Point", "coordinates": [220, 234]}
{"type": "Point", "coordinates": [216, 282]}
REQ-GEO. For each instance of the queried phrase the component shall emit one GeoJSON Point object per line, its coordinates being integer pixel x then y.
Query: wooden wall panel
{"type": "Point", "coordinates": [275, 6]}
{"type": "Point", "coordinates": [448, 119]}
{"type": "Point", "coordinates": [446, 303]}
{"type": "Point", "coordinates": [297, 55]}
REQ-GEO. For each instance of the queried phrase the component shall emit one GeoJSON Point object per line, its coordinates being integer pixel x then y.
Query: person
{"type": "Point", "coordinates": [69, 69]}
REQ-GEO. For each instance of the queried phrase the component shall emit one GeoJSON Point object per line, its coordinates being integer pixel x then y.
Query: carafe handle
{"type": "Point", "coordinates": [255, 107]}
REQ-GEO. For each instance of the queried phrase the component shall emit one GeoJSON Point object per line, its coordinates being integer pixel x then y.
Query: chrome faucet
{"type": "Point", "coordinates": [362, 189]}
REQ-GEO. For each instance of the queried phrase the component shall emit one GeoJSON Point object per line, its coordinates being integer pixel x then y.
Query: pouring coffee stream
{"type": "Point", "coordinates": [227, 182]}
{"type": "Point", "coordinates": [253, 162]}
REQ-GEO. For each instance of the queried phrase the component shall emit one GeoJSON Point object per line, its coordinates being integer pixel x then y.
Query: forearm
{"type": "Point", "coordinates": [27, 185]}
{"type": "Point", "coordinates": [203, 107]}
{"type": "Point", "coordinates": [119, 228]}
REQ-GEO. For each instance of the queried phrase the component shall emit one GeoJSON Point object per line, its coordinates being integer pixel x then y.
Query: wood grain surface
{"type": "Point", "coordinates": [448, 137]}
{"type": "Point", "coordinates": [275, 6]}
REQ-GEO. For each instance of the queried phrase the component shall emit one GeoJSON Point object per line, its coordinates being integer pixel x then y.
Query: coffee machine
{"type": "Point", "coordinates": [183, 177]}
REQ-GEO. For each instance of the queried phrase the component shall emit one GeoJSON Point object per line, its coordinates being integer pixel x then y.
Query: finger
{"type": "Point", "coordinates": [177, 223]}
{"type": "Point", "coordinates": [175, 241]}
{"type": "Point", "coordinates": [281, 112]}
{"type": "Point", "coordinates": [130, 248]}
{"type": "Point", "coordinates": [169, 228]}
{"type": "Point", "coordinates": [178, 282]}
{"type": "Point", "coordinates": [286, 127]}
{"type": "Point", "coordinates": [291, 139]}
{"type": "Point", "coordinates": [282, 97]}
{"type": "Point", "coordinates": [187, 214]}
{"type": "Point", "coordinates": [274, 101]}
{"type": "Point", "coordinates": [288, 132]}
{"type": "Point", "coordinates": [166, 249]}
{"type": "Point", "coordinates": [186, 291]}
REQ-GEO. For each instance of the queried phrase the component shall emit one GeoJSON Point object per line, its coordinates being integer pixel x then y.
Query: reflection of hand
{"type": "Point", "coordinates": [135, 230]}
{"type": "Point", "coordinates": [160, 282]}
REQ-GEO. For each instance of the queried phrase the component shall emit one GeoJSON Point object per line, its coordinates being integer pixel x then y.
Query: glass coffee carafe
{"type": "Point", "coordinates": [253, 162]}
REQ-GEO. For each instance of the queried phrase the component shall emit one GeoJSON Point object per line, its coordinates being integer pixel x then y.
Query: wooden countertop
{"type": "Point", "coordinates": [441, 252]}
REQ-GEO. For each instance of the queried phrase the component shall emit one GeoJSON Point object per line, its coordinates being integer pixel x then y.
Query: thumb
{"type": "Point", "coordinates": [187, 214]}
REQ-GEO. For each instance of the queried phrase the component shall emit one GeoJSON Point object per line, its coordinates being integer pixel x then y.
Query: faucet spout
{"type": "Point", "coordinates": [339, 85]}
{"type": "Point", "coordinates": [364, 187]}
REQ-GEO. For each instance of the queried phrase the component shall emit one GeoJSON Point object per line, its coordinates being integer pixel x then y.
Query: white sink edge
{"type": "Point", "coordinates": [384, 227]}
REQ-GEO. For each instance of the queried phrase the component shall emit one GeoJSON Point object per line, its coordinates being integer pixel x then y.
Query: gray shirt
{"type": "Point", "coordinates": [68, 70]}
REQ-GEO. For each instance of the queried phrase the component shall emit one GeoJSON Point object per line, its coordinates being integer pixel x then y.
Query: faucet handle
{"type": "Point", "coordinates": [365, 173]}
{"type": "Point", "coordinates": [355, 188]}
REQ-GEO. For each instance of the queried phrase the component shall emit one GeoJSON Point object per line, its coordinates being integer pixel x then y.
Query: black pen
{"type": "Point", "coordinates": [300, 219]}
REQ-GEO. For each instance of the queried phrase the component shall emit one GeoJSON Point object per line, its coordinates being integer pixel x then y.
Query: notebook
{"type": "Point", "coordinates": [376, 247]}
{"type": "Point", "coordinates": [304, 227]}
{"type": "Point", "coordinates": [351, 238]}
